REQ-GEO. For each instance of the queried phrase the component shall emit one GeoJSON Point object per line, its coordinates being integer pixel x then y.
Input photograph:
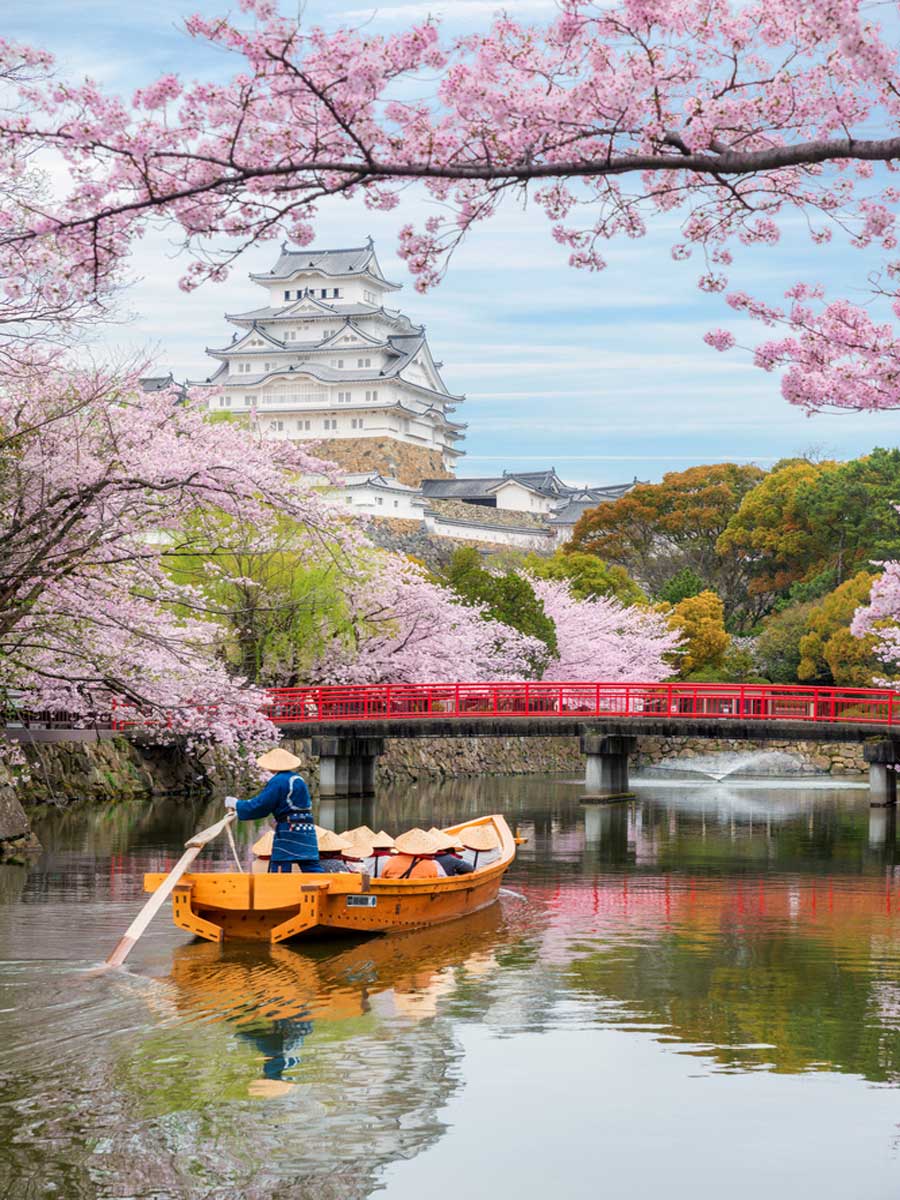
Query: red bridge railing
{"type": "Point", "coordinates": [719, 701]}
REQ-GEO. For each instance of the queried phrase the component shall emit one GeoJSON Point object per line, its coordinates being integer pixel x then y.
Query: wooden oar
{"type": "Point", "coordinates": [162, 893]}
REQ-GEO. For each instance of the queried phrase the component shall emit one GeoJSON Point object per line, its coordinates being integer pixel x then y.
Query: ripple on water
{"type": "Point", "coordinates": [750, 941]}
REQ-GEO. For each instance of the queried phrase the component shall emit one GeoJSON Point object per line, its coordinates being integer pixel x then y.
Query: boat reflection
{"type": "Point", "coordinates": [277, 998]}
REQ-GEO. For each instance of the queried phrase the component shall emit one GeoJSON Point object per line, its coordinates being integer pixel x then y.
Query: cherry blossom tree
{"type": "Point", "coordinates": [738, 120]}
{"type": "Point", "coordinates": [399, 627]}
{"type": "Point", "coordinates": [600, 639]}
{"type": "Point", "coordinates": [881, 617]}
{"type": "Point", "coordinates": [100, 482]}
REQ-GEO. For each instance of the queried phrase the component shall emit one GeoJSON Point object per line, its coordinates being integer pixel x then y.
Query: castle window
{"type": "Point", "coordinates": [340, 362]}
{"type": "Point", "coordinates": [224, 402]}
{"type": "Point", "coordinates": [276, 426]}
{"type": "Point", "coordinates": [372, 397]}
{"type": "Point", "coordinates": [336, 293]}
{"type": "Point", "coordinates": [357, 422]}
{"type": "Point", "coordinates": [287, 294]}
{"type": "Point", "coordinates": [303, 425]}
{"type": "Point", "coordinates": [324, 293]}
{"type": "Point", "coordinates": [349, 499]}
{"type": "Point", "coordinates": [330, 424]}
{"type": "Point", "coordinates": [396, 504]}
{"type": "Point", "coordinates": [379, 500]}
{"type": "Point", "coordinates": [364, 362]}
{"type": "Point", "coordinates": [248, 399]}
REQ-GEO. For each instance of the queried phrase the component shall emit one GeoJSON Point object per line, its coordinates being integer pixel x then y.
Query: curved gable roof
{"type": "Point", "coordinates": [353, 260]}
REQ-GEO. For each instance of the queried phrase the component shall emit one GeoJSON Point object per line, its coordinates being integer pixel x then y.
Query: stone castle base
{"type": "Point", "coordinates": [407, 463]}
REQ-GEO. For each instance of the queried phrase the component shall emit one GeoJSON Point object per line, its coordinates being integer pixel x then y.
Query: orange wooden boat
{"type": "Point", "coordinates": [273, 908]}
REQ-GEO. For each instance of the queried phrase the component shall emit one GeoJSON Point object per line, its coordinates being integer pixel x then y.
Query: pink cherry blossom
{"type": "Point", "coordinates": [600, 639]}
{"type": "Point", "coordinates": [731, 119]}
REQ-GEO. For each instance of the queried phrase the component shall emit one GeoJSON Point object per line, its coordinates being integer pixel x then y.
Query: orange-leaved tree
{"type": "Point", "coordinates": [659, 529]}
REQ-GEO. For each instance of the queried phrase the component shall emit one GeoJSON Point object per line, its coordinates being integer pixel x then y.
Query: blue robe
{"type": "Point", "coordinates": [286, 798]}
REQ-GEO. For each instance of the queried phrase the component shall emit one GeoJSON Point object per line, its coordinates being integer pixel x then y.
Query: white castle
{"type": "Point", "coordinates": [325, 360]}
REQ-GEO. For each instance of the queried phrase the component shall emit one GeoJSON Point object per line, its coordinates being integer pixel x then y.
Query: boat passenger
{"type": "Point", "coordinates": [377, 845]}
{"type": "Point", "coordinates": [356, 855]}
{"type": "Point", "coordinates": [415, 857]}
{"type": "Point", "coordinates": [482, 846]}
{"type": "Point", "coordinates": [450, 856]}
{"type": "Point", "coordinates": [286, 798]}
{"type": "Point", "coordinates": [331, 850]}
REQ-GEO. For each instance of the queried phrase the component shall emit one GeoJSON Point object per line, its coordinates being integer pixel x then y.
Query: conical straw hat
{"type": "Point", "coordinates": [382, 841]}
{"type": "Point", "coordinates": [262, 848]}
{"type": "Point", "coordinates": [279, 759]}
{"type": "Point", "coordinates": [358, 848]}
{"type": "Point", "coordinates": [417, 841]}
{"type": "Point", "coordinates": [480, 837]}
{"type": "Point", "coordinates": [444, 840]}
{"type": "Point", "coordinates": [331, 842]}
{"type": "Point", "coordinates": [361, 831]}
{"type": "Point", "coordinates": [455, 838]}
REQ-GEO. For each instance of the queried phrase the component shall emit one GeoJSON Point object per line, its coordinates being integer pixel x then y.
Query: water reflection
{"type": "Point", "coordinates": [749, 932]}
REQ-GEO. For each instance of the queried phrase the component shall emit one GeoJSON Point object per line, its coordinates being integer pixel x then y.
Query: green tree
{"type": "Point", "coordinates": [587, 575]}
{"type": "Point", "coordinates": [680, 587]}
{"type": "Point", "coordinates": [507, 597]}
{"type": "Point", "coordinates": [277, 607]}
{"type": "Point", "coordinates": [778, 644]}
{"type": "Point", "coordinates": [856, 504]}
{"type": "Point", "coordinates": [657, 530]}
{"type": "Point", "coordinates": [809, 526]}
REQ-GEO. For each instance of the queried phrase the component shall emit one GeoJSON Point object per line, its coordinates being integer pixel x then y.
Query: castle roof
{"type": "Point", "coordinates": [544, 483]}
{"type": "Point", "coordinates": [341, 263]}
{"type": "Point", "coordinates": [375, 479]}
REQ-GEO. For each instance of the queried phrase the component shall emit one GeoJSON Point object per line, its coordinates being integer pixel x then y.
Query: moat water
{"type": "Point", "coordinates": [693, 994]}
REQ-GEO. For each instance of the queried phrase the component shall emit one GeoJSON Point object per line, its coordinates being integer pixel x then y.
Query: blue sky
{"type": "Point", "coordinates": [604, 376]}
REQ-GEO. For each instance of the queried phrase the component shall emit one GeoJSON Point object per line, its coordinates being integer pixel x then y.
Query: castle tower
{"type": "Point", "coordinates": [325, 360]}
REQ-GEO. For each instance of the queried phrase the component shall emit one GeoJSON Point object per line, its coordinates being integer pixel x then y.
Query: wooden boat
{"type": "Point", "coordinates": [273, 908]}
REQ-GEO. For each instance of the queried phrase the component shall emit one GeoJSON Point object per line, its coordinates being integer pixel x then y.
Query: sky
{"type": "Point", "coordinates": [604, 376]}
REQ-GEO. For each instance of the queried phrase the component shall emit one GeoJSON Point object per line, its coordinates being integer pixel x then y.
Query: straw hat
{"type": "Point", "coordinates": [362, 832]}
{"type": "Point", "coordinates": [445, 840]}
{"type": "Point", "coordinates": [416, 842]}
{"type": "Point", "coordinates": [382, 841]}
{"type": "Point", "coordinates": [331, 842]}
{"type": "Point", "coordinates": [279, 759]}
{"type": "Point", "coordinates": [262, 848]}
{"type": "Point", "coordinates": [358, 848]}
{"type": "Point", "coordinates": [480, 837]}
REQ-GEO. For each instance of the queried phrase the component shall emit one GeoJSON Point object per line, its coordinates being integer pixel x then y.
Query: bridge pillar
{"type": "Point", "coordinates": [347, 764]}
{"type": "Point", "coordinates": [606, 765]}
{"type": "Point", "coordinates": [883, 759]}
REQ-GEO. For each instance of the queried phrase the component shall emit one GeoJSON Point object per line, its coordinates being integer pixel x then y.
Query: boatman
{"type": "Point", "coordinates": [286, 798]}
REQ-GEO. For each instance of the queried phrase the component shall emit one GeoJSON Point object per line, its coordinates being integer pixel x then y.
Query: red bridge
{"type": "Point", "coordinates": [348, 724]}
{"type": "Point", "coordinates": [584, 701]}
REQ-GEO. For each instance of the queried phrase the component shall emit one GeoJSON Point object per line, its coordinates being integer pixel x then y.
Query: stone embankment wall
{"type": "Point", "coordinates": [406, 462]}
{"type": "Point", "coordinates": [120, 769]}
{"type": "Point", "coordinates": [96, 771]}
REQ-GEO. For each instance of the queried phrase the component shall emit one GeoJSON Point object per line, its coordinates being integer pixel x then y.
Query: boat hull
{"type": "Point", "coordinates": [276, 908]}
